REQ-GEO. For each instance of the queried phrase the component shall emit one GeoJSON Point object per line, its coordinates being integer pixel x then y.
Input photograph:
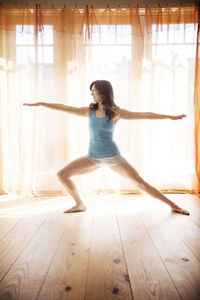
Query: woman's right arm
{"type": "Point", "coordinates": [79, 111]}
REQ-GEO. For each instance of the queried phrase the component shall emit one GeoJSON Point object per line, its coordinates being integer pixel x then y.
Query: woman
{"type": "Point", "coordinates": [103, 114]}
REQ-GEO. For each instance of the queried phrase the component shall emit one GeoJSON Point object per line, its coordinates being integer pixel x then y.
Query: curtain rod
{"type": "Point", "coordinates": [81, 7]}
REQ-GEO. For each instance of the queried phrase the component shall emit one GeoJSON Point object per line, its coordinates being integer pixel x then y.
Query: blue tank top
{"type": "Point", "coordinates": [101, 137]}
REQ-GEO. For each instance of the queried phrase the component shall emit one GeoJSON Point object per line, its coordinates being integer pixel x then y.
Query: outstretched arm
{"type": "Point", "coordinates": [130, 115]}
{"type": "Point", "coordinates": [80, 111]}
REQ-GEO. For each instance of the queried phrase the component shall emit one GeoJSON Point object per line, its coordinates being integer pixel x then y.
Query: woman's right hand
{"type": "Point", "coordinates": [32, 104]}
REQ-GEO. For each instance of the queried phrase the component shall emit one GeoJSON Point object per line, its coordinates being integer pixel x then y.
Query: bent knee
{"type": "Point", "coordinates": [62, 175]}
{"type": "Point", "coordinates": [59, 174]}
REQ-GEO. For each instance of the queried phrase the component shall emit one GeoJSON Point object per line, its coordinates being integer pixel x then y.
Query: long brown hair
{"type": "Point", "coordinates": [105, 88]}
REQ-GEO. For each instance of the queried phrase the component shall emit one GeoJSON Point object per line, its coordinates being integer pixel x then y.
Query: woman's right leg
{"type": "Point", "coordinates": [77, 167]}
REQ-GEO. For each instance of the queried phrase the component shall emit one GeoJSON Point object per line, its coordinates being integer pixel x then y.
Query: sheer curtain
{"type": "Point", "coordinates": [197, 105]}
{"type": "Point", "coordinates": [41, 54]}
{"type": "Point", "coordinates": [167, 86]}
{"type": "Point", "coordinates": [54, 54]}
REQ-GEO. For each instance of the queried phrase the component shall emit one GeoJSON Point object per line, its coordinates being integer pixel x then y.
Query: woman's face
{"type": "Point", "coordinates": [96, 95]}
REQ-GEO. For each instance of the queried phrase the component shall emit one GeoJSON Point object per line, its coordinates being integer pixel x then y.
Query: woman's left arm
{"type": "Point", "coordinates": [130, 115]}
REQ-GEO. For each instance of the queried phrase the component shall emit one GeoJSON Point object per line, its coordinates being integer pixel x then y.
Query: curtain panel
{"type": "Point", "coordinates": [165, 24]}
{"type": "Point", "coordinates": [54, 54]}
{"type": "Point", "coordinates": [197, 106]}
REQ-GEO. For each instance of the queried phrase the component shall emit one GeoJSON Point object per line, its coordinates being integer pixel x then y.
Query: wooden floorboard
{"type": "Point", "coordinates": [123, 247]}
{"type": "Point", "coordinates": [15, 241]}
{"type": "Point", "coordinates": [107, 276]}
{"type": "Point", "coordinates": [148, 275]}
{"type": "Point", "coordinates": [7, 224]}
{"type": "Point", "coordinates": [66, 277]}
{"type": "Point", "coordinates": [26, 275]}
{"type": "Point", "coordinates": [188, 231]}
{"type": "Point", "coordinates": [180, 262]}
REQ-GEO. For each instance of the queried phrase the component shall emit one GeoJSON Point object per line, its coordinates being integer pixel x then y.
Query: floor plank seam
{"type": "Point", "coordinates": [187, 245]}
{"type": "Point", "coordinates": [160, 257]}
{"type": "Point", "coordinates": [50, 264]}
{"type": "Point", "coordinates": [11, 229]}
{"type": "Point", "coordinates": [126, 265]}
{"type": "Point", "coordinates": [89, 258]}
{"type": "Point", "coordinates": [21, 251]}
{"type": "Point", "coordinates": [195, 222]}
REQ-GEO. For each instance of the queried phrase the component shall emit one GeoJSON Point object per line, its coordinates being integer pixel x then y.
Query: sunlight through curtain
{"type": "Point", "coordinates": [197, 106]}
{"type": "Point", "coordinates": [52, 55]}
{"type": "Point", "coordinates": [168, 76]}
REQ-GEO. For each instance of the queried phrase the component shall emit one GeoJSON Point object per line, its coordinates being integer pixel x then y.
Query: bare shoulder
{"type": "Point", "coordinates": [122, 111]}
{"type": "Point", "coordinates": [116, 109]}
{"type": "Point", "coordinates": [126, 114]}
{"type": "Point", "coordinates": [117, 114]}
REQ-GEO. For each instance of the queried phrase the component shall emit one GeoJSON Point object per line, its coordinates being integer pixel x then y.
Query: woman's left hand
{"type": "Point", "coordinates": [179, 117]}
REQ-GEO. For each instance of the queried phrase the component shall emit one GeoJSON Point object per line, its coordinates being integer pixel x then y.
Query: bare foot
{"type": "Point", "coordinates": [76, 208]}
{"type": "Point", "coordinates": [179, 210]}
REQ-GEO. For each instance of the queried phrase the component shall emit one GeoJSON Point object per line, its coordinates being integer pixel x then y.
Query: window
{"type": "Point", "coordinates": [35, 80]}
{"type": "Point", "coordinates": [109, 56]}
{"type": "Point", "coordinates": [168, 85]}
{"type": "Point", "coordinates": [25, 42]}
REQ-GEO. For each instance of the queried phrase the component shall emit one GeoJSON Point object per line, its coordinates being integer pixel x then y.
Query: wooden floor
{"type": "Point", "coordinates": [123, 247]}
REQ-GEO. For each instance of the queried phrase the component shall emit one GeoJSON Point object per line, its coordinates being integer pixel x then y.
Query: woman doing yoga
{"type": "Point", "coordinates": [103, 114]}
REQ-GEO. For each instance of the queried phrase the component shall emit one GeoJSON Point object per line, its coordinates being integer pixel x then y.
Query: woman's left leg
{"type": "Point", "coordinates": [125, 169]}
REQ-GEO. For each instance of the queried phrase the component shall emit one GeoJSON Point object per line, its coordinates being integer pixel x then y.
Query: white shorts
{"type": "Point", "coordinates": [107, 161]}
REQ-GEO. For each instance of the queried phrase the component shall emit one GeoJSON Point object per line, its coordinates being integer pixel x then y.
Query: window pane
{"type": "Point", "coordinates": [124, 34]}
{"type": "Point", "coordinates": [46, 35]}
{"type": "Point", "coordinates": [95, 34]}
{"type": "Point", "coordinates": [25, 54]}
{"type": "Point", "coordinates": [159, 34]}
{"type": "Point", "coordinates": [176, 33]}
{"type": "Point", "coordinates": [24, 35]}
{"type": "Point", "coordinates": [113, 63]}
{"type": "Point", "coordinates": [107, 34]}
{"type": "Point", "coordinates": [190, 33]}
{"type": "Point", "coordinates": [45, 54]}
{"type": "Point", "coordinates": [26, 47]}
